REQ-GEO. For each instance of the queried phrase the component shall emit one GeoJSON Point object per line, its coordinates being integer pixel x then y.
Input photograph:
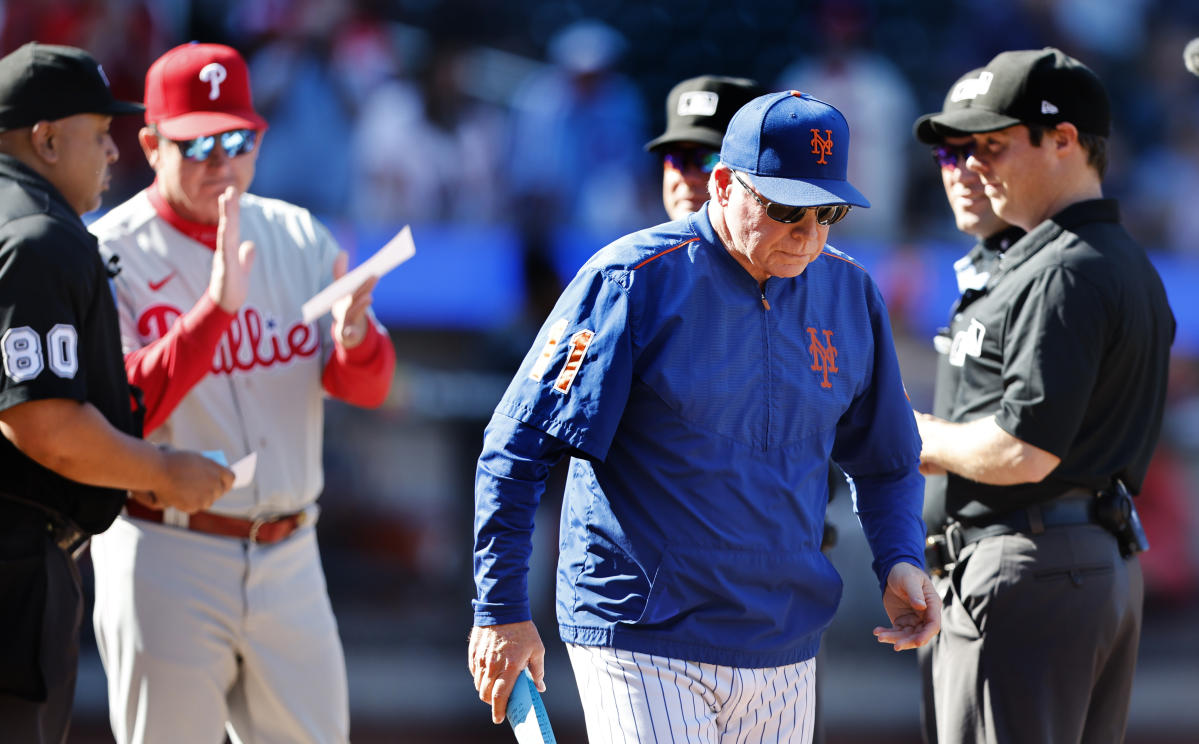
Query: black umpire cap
{"type": "Point", "coordinates": [958, 97]}
{"type": "Point", "coordinates": [699, 109]}
{"type": "Point", "coordinates": [44, 82]}
{"type": "Point", "coordinates": [1029, 86]}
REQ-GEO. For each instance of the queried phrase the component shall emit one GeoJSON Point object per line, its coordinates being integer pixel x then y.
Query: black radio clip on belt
{"type": "Point", "coordinates": [1115, 511]}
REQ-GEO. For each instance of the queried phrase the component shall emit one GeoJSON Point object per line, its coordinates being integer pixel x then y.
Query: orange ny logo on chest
{"type": "Point", "coordinates": [824, 355]}
{"type": "Point", "coordinates": [822, 146]}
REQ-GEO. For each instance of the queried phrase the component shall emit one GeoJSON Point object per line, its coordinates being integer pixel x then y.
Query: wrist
{"type": "Point", "coordinates": [221, 301]}
{"type": "Point", "coordinates": [933, 435]}
{"type": "Point", "coordinates": [363, 345]}
{"type": "Point", "coordinates": [158, 472]}
{"type": "Point", "coordinates": [351, 337]}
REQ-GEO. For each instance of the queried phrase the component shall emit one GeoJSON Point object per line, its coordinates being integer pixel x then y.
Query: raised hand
{"type": "Point", "coordinates": [229, 283]}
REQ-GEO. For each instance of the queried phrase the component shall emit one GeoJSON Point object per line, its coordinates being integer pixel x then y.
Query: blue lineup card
{"type": "Point", "coordinates": [526, 713]}
{"type": "Point", "coordinates": [217, 456]}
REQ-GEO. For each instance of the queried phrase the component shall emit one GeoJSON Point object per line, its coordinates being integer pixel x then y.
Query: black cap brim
{"type": "Point", "coordinates": [967, 121]}
{"type": "Point", "coordinates": [121, 108]}
{"type": "Point", "coordinates": [697, 135]}
{"type": "Point", "coordinates": [923, 130]}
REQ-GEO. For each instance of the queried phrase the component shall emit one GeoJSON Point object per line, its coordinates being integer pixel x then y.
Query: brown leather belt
{"type": "Point", "coordinates": [261, 531]}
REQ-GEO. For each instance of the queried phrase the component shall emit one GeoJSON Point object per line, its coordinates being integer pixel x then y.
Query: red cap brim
{"type": "Point", "coordinates": [204, 123]}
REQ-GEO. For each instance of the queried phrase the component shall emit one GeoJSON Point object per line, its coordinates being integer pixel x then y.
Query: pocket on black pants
{"type": "Point", "coordinates": [22, 609]}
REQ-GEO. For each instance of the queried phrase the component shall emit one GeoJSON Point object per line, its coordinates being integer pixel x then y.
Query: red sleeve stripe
{"type": "Point", "coordinates": [663, 253]}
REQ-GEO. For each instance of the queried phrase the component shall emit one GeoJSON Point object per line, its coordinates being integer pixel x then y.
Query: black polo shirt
{"type": "Point", "coordinates": [1067, 345]}
{"type": "Point", "coordinates": [59, 336]}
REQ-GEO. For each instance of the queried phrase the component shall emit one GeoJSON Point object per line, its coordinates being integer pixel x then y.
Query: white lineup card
{"type": "Point", "coordinates": [398, 250]}
{"type": "Point", "coordinates": [243, 469]}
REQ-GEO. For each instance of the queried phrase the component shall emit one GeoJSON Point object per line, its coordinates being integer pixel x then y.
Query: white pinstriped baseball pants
{"type": "Point", "coordinates": [634, 697]}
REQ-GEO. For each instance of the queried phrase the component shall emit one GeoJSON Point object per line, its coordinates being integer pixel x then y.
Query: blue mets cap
{"type": "Point", "coordinates": [795, 146]}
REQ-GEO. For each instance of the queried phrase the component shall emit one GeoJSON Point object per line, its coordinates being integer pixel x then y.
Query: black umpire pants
{"type": "Point", "coordinates": [40, 616]}
{"type": "Point", "coordinates": [1038, 641]}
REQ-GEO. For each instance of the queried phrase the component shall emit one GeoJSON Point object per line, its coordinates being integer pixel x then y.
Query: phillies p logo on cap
{"type": "Point", "coordinates": [215, 74]}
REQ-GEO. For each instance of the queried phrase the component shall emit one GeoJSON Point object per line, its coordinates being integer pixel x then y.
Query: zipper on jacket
{"type": "Point", "coordinates": [766, 358]}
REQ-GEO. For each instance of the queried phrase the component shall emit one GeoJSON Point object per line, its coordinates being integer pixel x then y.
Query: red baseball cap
{"type": "Point", "coordinates": [195, 90]}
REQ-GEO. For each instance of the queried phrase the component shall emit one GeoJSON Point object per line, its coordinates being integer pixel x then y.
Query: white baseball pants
{"type": "Point", "coordinates": [634, 697]}
{"type": "Point", "coordinates": [196, 631]}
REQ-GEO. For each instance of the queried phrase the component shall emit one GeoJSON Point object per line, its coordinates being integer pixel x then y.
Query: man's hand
{"type": "Point", "coordinates": [925, 424]}
{"type": "Point", "coordinates": [498, 654]}
{"type": "Point", "coordinates": [193, 482]}
{"type": "Point", "coordinates": [229, 283]}
{"type": "Point", "coordinates": [349, 313]}
{"type": "Point", "coordinates": [913, 606]}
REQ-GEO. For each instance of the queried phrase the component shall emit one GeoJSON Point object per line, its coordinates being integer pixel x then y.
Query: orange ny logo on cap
{"type": "Point", "coordinates": [822, 145]}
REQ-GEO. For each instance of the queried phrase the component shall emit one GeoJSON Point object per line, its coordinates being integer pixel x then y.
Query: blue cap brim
{"type": "Point", "coordinates": [810, 192]}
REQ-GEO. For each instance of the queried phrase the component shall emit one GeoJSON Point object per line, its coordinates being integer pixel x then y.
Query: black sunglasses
{"type": "Point", "coordinates": [234, 143]}
{"type": "Point", "coordinates": [697, 157]}
{"type": "Point", "coordinates": [953, 156]}
{"type": "Point", "coordinates": [826, 215]}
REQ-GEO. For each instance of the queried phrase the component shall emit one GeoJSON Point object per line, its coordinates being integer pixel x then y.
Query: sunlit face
{"type": "Point", "coordinates": [964, 189]}
{"type": "Point", "coordinates": [685, 177]}
{"type": "Point", "coordinates": [764, 247]}
{"type": "Point", "coordinates": [86, 150]}
{"type": "Point", "coordinates": [193, 188]}
{"type": "Point", "coordinates": [1014, 175]}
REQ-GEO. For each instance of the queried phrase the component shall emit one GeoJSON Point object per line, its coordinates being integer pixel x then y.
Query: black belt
{"type": "Point", "coordinates": [1074, 507]}
{"type": "Point", "coordinates": [36, 519]}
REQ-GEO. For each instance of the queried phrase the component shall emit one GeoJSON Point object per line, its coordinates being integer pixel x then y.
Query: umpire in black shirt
{"type": "Point", "coordinates": [1056, 375]}
{"type": "Point", "coordinates": [70, 448]}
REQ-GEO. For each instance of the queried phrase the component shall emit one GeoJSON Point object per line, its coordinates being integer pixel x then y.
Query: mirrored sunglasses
{"type": "Point", "coordinates": [702, 158]}
{"type": "Point", "coordinates": [234, 143]}
{"type": "Point", "coordinates": [953, 156]}
{"type": "Point", "coordinates": [829, 214]}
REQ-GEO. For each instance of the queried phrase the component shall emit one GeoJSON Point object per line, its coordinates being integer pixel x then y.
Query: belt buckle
{"type": "Point", "coordinates": [259, 523]}
{"type": "Point", "coordinates": [954, 541]}
{"type": "Point", "coordinates": [69, 538]}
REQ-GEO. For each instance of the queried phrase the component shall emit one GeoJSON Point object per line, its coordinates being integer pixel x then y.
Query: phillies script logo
{"type": "Point", "coordinates": [824, 355]}
{"type": "Point", "coordinates": [250, 342]}
{"type": "Point", "coordinates": [822, 145]}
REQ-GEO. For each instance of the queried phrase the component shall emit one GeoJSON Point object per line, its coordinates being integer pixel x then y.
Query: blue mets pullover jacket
{"type": "Point", "coordinates": [700, 412]}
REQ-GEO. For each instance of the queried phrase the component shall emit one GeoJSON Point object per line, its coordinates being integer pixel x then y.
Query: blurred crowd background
{"type": "Point", "coordinates": [509, 135]}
